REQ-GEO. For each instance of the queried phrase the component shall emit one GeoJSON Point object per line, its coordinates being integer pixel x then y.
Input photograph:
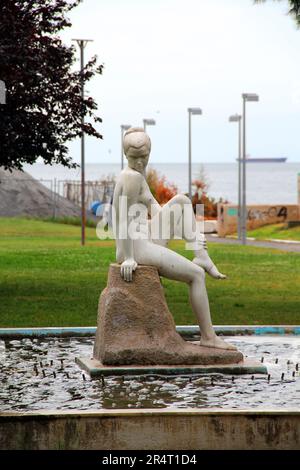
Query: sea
{"type": "Point", "coordinates": [267, 183]}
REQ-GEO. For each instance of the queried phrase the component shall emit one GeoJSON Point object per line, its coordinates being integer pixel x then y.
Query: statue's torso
{"type": "Point", "coordinates": [134, 187]}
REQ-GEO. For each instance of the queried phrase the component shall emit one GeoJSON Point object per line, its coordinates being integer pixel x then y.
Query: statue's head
{"type": "Point", "coordinates": [136, 141]}
{"type": "Point", "coordinates": [137, 146]}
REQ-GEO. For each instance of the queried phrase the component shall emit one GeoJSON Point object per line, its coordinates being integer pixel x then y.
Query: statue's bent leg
{"type": "Point", "coordinates": [177, 220]}
{"type": "Point", "coordinates": [174, 266]}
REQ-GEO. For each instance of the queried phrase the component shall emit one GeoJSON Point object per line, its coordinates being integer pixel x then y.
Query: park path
{"type": "Point", "coordinates": [284, 246]}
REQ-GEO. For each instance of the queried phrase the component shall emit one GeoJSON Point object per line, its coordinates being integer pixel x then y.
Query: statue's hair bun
{"type": "Point", "coordinates": [134, 129]}
{"type": "Point", "coordinates": [136, 138]}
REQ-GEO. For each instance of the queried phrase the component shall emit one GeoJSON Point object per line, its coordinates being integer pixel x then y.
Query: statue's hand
{"type": "Point", "coordinates": [127, 268]}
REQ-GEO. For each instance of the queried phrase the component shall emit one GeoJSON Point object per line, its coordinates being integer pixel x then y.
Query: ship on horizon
{"type": "Point", "coordinates": [265, 159]}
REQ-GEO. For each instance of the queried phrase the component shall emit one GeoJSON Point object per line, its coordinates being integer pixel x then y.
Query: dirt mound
{"type": "Point", "coordinates": [22, 195]}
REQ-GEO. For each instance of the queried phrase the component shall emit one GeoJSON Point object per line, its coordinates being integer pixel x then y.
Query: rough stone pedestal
{"type": "Point", "coordinates": [136, 327]}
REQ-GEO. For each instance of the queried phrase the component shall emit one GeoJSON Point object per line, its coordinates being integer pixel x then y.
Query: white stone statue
{"type": "Point", "coordinates": [146, 245]}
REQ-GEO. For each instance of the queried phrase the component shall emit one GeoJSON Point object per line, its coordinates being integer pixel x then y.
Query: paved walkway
{"type": "Point", "coordinates": [292, 247]}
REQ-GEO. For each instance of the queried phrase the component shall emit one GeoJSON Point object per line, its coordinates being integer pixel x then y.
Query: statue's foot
{"type": "Point", "coordinates": [206, 263]}
{"type": "Point", "coordinates": [217, 343]}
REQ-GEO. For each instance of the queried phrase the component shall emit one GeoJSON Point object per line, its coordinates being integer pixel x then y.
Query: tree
{"type": "Point", "coordinates": [44, 106]}
{"type": "Point", "coordinates": [294, 9]}
{"type": "Point", "coordinates": [162, 190]}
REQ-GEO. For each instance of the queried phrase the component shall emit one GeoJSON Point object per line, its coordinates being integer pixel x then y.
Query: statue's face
{"type": "Point", "coordinates": [137, 147]}
{"type": "Point", "coordinates": [138, 160]}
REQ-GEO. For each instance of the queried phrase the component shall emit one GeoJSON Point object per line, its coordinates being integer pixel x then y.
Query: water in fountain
{"type": "Point", "coordinates": [42, 374]}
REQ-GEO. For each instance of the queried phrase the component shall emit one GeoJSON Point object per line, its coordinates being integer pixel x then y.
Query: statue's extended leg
{"type": "Point", "coordinates": [202, 259]}
{"type": "Point", "coordinates": [174, 266]}
{"type": "Point", "coordinates": [182, 224]}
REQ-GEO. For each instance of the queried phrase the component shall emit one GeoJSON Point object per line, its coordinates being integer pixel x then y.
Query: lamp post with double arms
{"type": "Point", "coordinates": [246, 97]}
{"type": "Point", "coordinates": [82, 44]}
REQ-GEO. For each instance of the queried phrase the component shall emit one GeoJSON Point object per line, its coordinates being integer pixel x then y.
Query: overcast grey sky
{"type": "Point", "coordinates": [163, 56]}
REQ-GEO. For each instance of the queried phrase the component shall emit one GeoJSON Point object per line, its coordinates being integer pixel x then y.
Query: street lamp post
{"type": "Point", "coordinates": [148, 122]}
{"type": "Point", "coordinates": [190, 112]}
{"type": "Point", "coordinates": [246, 97]}
{"type": "Point", "coordinates": [238, 118]}
{"type": "Point", "coordinates": [82, 44]}
{"type": "Point", "coordinates": [124, 127]}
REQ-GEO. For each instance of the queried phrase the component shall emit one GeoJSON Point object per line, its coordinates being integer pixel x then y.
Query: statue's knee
{"type": "Point", "coordinates": [182, 199]}
{"type": "Point", "coordinates": [198, 273]}
{"type": "Point", "coordinates": [201, 273]}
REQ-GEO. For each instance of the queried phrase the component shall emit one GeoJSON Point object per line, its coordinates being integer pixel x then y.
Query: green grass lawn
{"type": "Point", "coordinates": [48, 279]}
{"type": "Point", "coordinates": [276, 231]}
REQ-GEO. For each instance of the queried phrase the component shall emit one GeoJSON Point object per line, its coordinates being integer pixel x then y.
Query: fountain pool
{"type": "Point", "coordinates": [41, 373]}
